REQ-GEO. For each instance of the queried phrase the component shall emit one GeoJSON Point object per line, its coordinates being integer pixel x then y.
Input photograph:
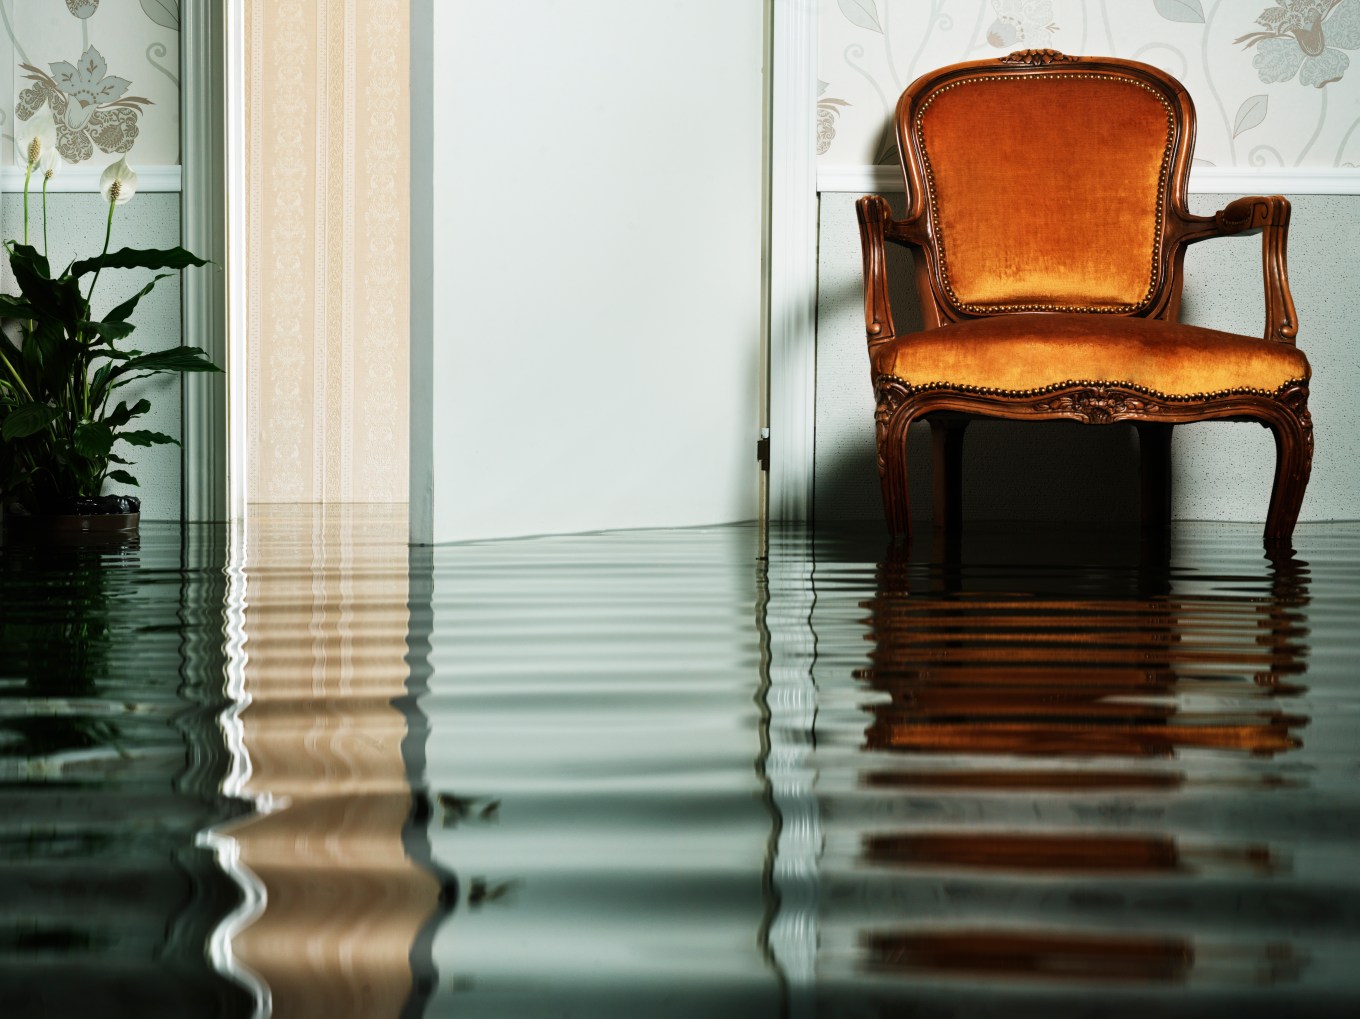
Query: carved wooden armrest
{"type": "Point", "coordinates": [1270, 215]}
{"type": "Point", "coordinates": [876, 225]}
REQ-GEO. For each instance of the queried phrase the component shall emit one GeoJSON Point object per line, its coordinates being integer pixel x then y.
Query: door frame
{"type": "Point", "coordinates": [792, 335]}
{"type": "Point", "coordinates": [204, 418]}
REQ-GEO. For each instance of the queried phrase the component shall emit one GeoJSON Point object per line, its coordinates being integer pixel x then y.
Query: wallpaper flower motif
{"type": "Point", "coordinates": [88, 104]}
{"type": "Point", "coordinates": [1306, 38]}
{"type": "Point", "coordinates": [82, 8]}
{"type": "Point", "coordinates": [827, 112]}
{"type": "Point", "coordinates": [1022, 24]}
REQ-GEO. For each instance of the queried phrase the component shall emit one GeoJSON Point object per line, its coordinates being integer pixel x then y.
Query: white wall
{"type": "Point", "coordinates": [586, 244]}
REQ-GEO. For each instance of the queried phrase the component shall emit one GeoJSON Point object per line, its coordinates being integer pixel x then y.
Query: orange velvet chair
{"type": "Point", "coordinates": [1047, 219]}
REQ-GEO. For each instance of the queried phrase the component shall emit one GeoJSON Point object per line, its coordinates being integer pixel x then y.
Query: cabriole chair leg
{"type": "Point", "coordinates": [1293, 465]}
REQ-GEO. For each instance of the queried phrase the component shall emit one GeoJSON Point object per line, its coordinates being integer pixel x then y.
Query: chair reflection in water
{"type": "Point", "coordinates": [1064, 732]}
{"type": "Point", "coordinates": [1047, 220]}
{"type": "Point", "coordinates": [976, 662]}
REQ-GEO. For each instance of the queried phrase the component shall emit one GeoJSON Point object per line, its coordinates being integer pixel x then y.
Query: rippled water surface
{"type": "Point", "coordinates": [300, 769]}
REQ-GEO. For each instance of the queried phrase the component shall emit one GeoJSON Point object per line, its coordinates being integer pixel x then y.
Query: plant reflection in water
{"type": "Point", "coordinates": [110, 764]}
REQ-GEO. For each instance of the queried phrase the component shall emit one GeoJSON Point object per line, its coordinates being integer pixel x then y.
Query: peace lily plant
{"type": "Point", "coordinates": [64, 430]}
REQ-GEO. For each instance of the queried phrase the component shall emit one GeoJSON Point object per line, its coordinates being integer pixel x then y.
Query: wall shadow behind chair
{"type": "Point", "coordinates": [1047, 220]}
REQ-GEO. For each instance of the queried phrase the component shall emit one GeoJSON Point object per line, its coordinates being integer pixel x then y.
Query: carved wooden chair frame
{"type": "Point", "coordinates": [949, 407]}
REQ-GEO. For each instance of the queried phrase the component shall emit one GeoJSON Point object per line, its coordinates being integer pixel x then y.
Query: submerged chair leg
{"type": "Point", "coordinates": [946, 438]}
{"type": "Point", "coordinates": [1293, 464]}
{"type": "Point", "coordinates": [895, 511]}
{"type": "Point", "coordinates": [1154, 473]}
{"type": "Point", "coordinates": [891, 434]}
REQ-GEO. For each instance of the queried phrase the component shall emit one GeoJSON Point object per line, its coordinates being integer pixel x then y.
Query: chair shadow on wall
{"type": "Point", "coordinates": [1059, 471]}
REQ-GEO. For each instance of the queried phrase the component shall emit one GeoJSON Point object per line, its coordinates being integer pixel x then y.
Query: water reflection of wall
{"type": "Point", "coordinates": [594, 756]}
{"type": "Point", "coordinates": [325, 641]}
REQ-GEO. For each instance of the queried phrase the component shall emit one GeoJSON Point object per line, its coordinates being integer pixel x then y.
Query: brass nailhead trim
{"type": "Point", "coordinates": [988, 309]}
{"type": "Point", "coordinates": [1089, 384]}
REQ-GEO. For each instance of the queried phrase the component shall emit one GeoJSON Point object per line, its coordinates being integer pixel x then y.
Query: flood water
{"type": "Point", "coordinates": [299, 769]}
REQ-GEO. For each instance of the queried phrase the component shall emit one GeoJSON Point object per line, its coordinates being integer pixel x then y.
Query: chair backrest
{"type": "Point", "coordinates": [1047, 183]}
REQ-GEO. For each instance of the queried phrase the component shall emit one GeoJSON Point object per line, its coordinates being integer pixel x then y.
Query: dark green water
{"type": "Point", "coordinates": [310, 771]}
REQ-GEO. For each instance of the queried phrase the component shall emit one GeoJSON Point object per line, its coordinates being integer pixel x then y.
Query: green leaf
{"type": "Point", "coordinates": [99, 383]}
{"type": "Point", "coordinates": [29, 259]}
{"type": "Point", "coordinates": [138, 258]}
{"type": "Point", "coordinates": [49, 298]}
{"type": "Point", "coordinates": [122, 477]}
{"type": "Point", "coordinates": [176, 359]}
{"type": "Point", "coordinates": [50, 356]}
{"type": "Point", "coordinates": [147, 439]}
{"type": "Point", "coordinates": [116, 459]}
{"type": "Point", "coordinates": [93, 439]}
{"type": "Point", "coordinates": [15, 307]}
{"type": "Point", "coordinates": [124, 310]}
{"type": "Point", "coordinates": [108, 330]}
{"type": "Point", "coordinates": [28, 420]}
{"type": "Point", "coordinates": [122, 414]}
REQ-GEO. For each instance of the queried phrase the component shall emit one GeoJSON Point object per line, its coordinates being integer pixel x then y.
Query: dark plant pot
{"type": "Point", "coordinates": [106, 520]}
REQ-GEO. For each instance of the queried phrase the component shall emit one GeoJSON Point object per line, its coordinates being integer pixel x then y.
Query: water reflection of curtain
{"type": "Point", "coordinates": [326, 174]}
{"type": "Point", "coordinates": [325, 645]}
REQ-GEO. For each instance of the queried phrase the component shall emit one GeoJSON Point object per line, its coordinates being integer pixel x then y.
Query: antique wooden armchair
{"type": "Point", "coordinates": [1047, 220]}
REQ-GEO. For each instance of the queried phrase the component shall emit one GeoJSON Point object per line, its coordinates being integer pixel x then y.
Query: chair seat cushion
{"type": "Point", "coordinates": [1023, 352]}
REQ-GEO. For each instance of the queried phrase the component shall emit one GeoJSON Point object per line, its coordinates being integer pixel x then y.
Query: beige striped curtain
{"type": "Point", "coordinates": [327, 107]}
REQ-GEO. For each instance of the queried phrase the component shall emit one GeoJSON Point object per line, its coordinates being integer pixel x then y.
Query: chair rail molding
{"type": "Point", "coordinates": [203, 218]}
{"type": "Point", "coordinates": [1207, 180]}
{"type": "Point", "coordinates": [83, 179]}
{"type": "Point", "coordinates": [793, 257]}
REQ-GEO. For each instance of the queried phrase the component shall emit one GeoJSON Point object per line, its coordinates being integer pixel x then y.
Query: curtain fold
{"type": "Point", "coordinates": [327, 235]}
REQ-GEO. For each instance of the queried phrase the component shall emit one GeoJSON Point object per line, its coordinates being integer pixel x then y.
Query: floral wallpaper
{"type": "Point", "coordinates": [106, 70]}
{"type": "Point", "coordinates": [1271, 79]}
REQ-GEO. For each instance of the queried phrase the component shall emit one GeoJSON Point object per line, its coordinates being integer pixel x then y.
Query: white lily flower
{"type": "Point", "coordinates": [49, 164]}
{"type": "Point", "coordinates": [118, 183]}
{"type": "Point", "coordinates": [33, 137]}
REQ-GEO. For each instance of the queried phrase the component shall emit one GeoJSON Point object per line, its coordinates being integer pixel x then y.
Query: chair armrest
{"type": "Point", "coordinates": [1270, 215]}
{"type": "Point", "coordinates": [876, 225]}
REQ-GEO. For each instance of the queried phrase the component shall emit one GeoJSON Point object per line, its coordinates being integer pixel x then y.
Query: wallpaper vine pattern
{"type": "Point", "coordinates": [1269, 77]}
{"type": "Point", "coordinates": [122, 91]}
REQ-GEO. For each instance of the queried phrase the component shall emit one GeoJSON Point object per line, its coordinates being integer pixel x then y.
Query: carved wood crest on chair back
{"type": "Point", "coordinates": [1047, 218]}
